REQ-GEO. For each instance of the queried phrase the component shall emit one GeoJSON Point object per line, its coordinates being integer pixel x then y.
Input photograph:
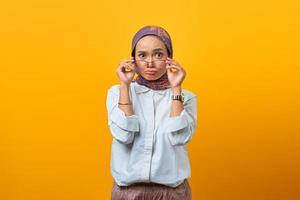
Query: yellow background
{"type": "Point", "coordinates": [58, 58]}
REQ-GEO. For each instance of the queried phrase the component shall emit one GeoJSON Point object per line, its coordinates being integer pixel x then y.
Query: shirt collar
{"type": "Point", "coordinates": [141, 88]}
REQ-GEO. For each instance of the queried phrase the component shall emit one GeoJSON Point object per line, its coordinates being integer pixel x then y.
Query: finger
{"type": "Point", "coordinates": [126, 61]}
{"type": "Point", "coordinates": [131, 60]}
{"type": "Point", "coordinates": [168, 62]}
{"type": "Point", "coordinates": [127, 68]}
{"type": "Point", "coordinates": [172, 69]}
{"type": "Point", "coordinates": [131, 67]}
{"type": "Point", "coordinates": [126, 65]}
{"type": "Point", "coordinates": [170, 59]}
{"type": "Point", "coordinates": [119, 69]}
{"type": "Point", "coordinates": [178, 68]}
{"type": "Point", "coordinates": [173, 65]}
{"type": "Point", "coordinates": [122, 68]}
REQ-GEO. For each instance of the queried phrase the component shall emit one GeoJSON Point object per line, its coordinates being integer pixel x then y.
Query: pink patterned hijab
{"type": "Point", "coordinates": [162, 82]}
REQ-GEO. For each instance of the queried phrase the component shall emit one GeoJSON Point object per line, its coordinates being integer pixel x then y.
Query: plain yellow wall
{"type": "Point", "coordinates": [58, 59]}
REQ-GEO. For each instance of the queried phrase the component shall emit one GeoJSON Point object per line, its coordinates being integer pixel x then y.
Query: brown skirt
{"type": "Point", "coordinates": [151, 191]}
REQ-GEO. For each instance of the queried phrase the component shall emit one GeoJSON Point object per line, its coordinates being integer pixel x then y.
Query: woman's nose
{"type": "Point", "coordinates": [149, 62]}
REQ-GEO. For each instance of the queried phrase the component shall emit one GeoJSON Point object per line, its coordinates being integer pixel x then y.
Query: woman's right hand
{"type": "Point", "coordinates": [126, 71]}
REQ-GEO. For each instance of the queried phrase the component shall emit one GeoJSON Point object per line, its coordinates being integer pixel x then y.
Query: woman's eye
{"type": "Point", "coordinates": [159, 55]}
{"type": "Point", "coordinates": [141, 55]}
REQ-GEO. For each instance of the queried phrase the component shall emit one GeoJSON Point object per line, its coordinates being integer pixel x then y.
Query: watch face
{"type": "Point", "coordinates": [179, 97]}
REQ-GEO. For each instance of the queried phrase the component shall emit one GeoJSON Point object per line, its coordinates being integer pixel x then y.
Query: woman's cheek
{"type": "Point", "coordinates": [162, 67]}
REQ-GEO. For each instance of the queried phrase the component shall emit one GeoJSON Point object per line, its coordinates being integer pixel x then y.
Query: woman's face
{"type": "Point", "coordinates": [150, 56]}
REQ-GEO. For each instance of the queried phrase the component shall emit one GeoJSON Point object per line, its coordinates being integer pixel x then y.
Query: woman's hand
{"type": "Point", "coordinates": [126, 71]}
{"type": "Point", "coordinates": [175, 77]}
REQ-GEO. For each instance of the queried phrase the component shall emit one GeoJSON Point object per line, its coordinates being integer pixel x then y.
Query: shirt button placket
{"type": "Point", "coordinates": [148, 139]}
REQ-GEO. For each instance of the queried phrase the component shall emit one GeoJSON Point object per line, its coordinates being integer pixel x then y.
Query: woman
{"type": "Point", "coordinates": [151, 120]}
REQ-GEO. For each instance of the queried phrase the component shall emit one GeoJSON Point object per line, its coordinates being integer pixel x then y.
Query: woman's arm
{"type": "Point", "coordinates": [125, 98]}
{"type": "Point", "coordinates": [175, 78]}
{"type": "Point", "coordinates": [122, 122]}
{"type": "Point", "coordinates": [181, 128]}
{"type": "Point", "coordinates": [177, 106]}
{"type": "Point", "coordinates": [182, 121]}
{"type": "Point", "coordinates": [125, 72]}
{"type": "Point", "coordinates": [122, 127]}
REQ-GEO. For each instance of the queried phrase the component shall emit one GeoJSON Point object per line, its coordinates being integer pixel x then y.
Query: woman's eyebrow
{"type": "Point", "coordinates": [157, 49]}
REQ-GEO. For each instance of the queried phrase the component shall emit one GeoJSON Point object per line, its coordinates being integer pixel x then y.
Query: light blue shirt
{"type": "Point", "coordinates": [150, 146]}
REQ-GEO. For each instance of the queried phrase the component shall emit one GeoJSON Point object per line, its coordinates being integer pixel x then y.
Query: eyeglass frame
{"type": "Point", "coordinates": [153, 61]}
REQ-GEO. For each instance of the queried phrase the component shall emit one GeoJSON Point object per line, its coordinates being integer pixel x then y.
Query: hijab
{"type": "Point", "coordinates": [162, 82]}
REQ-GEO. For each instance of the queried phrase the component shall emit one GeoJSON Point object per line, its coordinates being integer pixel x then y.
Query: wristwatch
{"type": "Point", "coordinates": [178, 97]}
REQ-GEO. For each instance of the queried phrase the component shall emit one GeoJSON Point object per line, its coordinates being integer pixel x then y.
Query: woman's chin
{"type": "Point", "coordinates": [151, 77]}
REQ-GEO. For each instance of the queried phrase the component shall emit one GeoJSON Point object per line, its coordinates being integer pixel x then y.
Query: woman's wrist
{"type": "Point", "coordinates": [176, 90]}
{"type": "Point", "coordinates": [124, 85]}
{"type": "Point", "coordinates": [124, 94]}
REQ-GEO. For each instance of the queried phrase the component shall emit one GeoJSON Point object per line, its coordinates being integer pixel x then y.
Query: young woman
{"type": "Point", "coordinates": [151, 119]}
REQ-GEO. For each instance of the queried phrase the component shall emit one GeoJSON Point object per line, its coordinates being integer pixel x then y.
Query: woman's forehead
{"type": "Point", "coordinates": [150, 43]}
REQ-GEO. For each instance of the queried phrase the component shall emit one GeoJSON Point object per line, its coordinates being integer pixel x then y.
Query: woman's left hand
{"type": "Point", "coordinates": [175, 77]}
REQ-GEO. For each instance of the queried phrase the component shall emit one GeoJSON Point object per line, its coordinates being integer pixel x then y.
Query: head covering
{"type": "Point", "coordinates": [162, 82]}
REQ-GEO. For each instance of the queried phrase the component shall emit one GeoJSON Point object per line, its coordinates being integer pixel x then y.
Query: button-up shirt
{"type": "Point", "coordinates": [150, 146]}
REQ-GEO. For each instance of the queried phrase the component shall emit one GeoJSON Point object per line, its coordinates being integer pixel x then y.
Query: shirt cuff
{"type": "Point", "coordinates": [121, 135]}
{"type": "Point", "coordinates": [180, 130]}
{"type": "Point", "coordinates": [128, 123]}
{"type": "Point", "coordinates": [178, 122]}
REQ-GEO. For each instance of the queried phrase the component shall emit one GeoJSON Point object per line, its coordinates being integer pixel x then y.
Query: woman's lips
{"type": "Point", "coordinates": [150, 72]}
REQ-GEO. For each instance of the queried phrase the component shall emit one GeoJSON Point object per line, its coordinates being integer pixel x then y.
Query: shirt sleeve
{"type": "Point", "coordinates": [122, 127]}
{"type": "Point", "coordinates": [181, 128]}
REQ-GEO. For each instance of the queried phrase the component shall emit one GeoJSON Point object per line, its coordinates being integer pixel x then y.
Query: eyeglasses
{"type": "Point", "coordinates": [154, 61]}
